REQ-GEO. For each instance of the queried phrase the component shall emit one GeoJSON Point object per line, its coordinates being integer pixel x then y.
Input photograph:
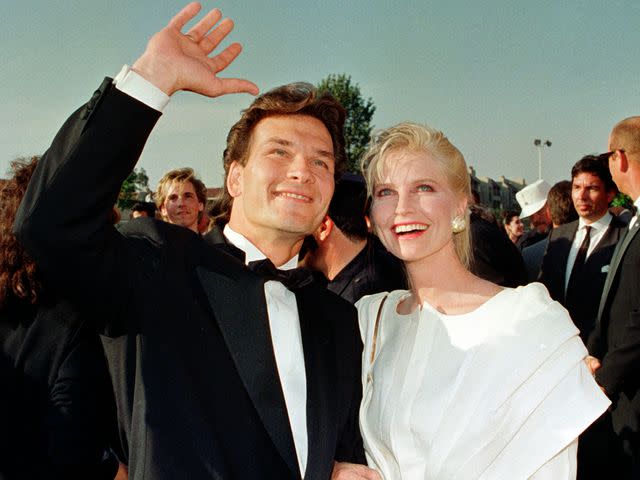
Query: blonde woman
{"type": "Point", "coordinates": [462, 379]}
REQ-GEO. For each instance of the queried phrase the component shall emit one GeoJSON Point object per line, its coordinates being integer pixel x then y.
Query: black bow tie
{"type": "Point", "coordinates": [292, 279]}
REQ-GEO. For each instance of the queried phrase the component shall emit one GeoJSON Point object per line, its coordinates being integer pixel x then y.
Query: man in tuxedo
{"type": "Point", "coordinates": [615, 341]}
{"type": "Point", "coordinates": [575, 265]}
{"type": "Point", "coordinates": [225, 373]}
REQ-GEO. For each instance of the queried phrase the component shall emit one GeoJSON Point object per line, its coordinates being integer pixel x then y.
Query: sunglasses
{"type": "Point", "coordinates": [605, 156]}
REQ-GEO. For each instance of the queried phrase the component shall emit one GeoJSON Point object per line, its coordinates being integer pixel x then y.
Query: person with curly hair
{"type": "Point", "coordinates": [56, 406]}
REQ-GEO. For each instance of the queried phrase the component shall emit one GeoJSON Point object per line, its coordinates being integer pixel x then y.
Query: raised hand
{"type": "Point", "coordinates": [175, 61]}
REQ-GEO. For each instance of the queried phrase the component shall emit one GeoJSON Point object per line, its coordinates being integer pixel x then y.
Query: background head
{"type": "Point", "coordinates": [512, 223]}
{"type": "Point", "coordinates": [418, 138]}
{"type": "Point", "coordinates": [348, 206]}
{"type": "Point", "coordinates": [19, 277]}
{"type": "Point", "coordinates": [560, 204]}
{"type": "Point", "coordinates": [292, 99]}
{"type": "Point", "coordinates": [593, 188]}
{"type": "Point", "coordinates": [177, 178]}
{"type": "Point", "coordinates": [143, 209]}
{"type": "Point", "coordinates": [624, 159]}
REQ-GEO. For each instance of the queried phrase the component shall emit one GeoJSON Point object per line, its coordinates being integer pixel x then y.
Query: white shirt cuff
{"type": "Point", "coordinates": [136, 86]}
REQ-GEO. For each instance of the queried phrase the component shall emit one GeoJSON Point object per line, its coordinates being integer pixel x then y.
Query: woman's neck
{"type": "Point", "coordinates": [446, 285]}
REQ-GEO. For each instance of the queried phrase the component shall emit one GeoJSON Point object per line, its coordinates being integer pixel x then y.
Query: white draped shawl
{"type": "Point", "coordinates": [493, 394]}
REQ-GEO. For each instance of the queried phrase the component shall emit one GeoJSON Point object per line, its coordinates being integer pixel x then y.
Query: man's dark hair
{"type": "Point", "coordinates": [148, 207]}
{"type": "Point", "coordinates": [508, 215]}
{"type": "Point", "coordinates": [292, 99]}
{"type": "Point", "coordinates": [348, 205]}
{"type": "Point", "coordinates": [597, 166]}
{"type": "Point", "coordinates": [560, 203]}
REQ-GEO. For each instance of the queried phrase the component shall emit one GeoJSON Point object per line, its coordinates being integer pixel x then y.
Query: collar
{"type": "Point", "coordinates": [601, 223]}
{"type": "Point", "coordinates": [253, 253]}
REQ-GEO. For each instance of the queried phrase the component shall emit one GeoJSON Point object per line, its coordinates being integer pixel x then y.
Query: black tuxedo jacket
{"type": "Point", "coordinates": [616, 338]}
{"type": "Point", "coordinates": [583, 303]}
{"type": "Point", "coordinates": [184, 325]}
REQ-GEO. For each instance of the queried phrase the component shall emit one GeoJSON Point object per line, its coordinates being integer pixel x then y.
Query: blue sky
{"type": "Point", "coordinates": [492, 75]}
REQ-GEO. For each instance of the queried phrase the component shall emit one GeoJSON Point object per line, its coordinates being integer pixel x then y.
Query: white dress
{"type": "Point", "coordinates": [498, 393]}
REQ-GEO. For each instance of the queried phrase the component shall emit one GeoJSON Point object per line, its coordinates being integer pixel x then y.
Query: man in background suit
{"type": "Point", "coordinates": [573, 278]}
{"type": "Point", "coordinates": [615, 342]}
{"type": "Point", "coordinates": [180, 198]}
{"type": "Point", "coordinates": [561, 211]}
{"type": "Point", "coordinates": [224, 374]}
{"type": "Point", "coordinates": [353, 261]}
{"type": "Point", "coordinates": [533, 201]}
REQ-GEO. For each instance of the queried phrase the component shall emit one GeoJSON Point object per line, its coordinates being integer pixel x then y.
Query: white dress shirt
{"type": "Point", "coordinates": [284, 323]}
{"type": "Point", "coordinates": [598, 229]}
{"type": "Point", "coordinates": [282, 308]}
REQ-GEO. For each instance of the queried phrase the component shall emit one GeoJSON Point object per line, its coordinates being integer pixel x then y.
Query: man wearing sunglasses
{"type": "Point", "coordinates": [615, 342]}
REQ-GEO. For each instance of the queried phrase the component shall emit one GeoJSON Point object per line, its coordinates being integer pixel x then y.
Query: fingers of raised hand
{"type": "Point", "coordinates": [236, 85]}
{"type": "Point", "coordinates": [184, 15]}
{"type": "Point", "coordinates": [200, 29]}
{"type": "Point", "coordinates": [224, 58]}
{"type": "Point", "coordinates": [215, 36]}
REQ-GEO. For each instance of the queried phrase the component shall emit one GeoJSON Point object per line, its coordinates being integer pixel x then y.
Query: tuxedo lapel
{"type": "Point", "coordinates": [320, 368]}
{"type": "Point", "coordinates": [216, 238]}
{"type": "Point", "coordinates": [239, 307]}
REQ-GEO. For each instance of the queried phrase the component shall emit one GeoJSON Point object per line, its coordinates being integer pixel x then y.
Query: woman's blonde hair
{"type": "Point", "coordinates": [421, 138]}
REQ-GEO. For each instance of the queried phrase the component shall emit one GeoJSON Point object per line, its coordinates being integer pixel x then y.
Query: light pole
{"type": "Point", "coordinates": [539, 144]}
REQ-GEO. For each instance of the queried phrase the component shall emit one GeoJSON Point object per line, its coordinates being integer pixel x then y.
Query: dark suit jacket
{"type": "Point", "coordinates": [494, 256]}
{"type": "Point", "coordinates": [373, 270]}
{"type": "Point", "coordinates": [616, 338]}
{"type": "Point", "coordinates": [57, 415]}
{"type": "Point", "coordinates": [185, 325]}
{"type": "Point", "coordinates": [583, 302]}
{"type": "Point", "coordinates": [532, 256]}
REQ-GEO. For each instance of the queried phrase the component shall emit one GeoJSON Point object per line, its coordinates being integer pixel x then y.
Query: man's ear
{"type": "Point", "coordinates": [234, 184]}
{"type": "Point", "coordinates": [324, 230]}
{"type": "Point", "coordinates": [624, 161]}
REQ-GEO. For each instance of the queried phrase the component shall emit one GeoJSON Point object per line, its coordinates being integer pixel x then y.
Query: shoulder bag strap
{"type": "Point", "coordinates": [375, 330]}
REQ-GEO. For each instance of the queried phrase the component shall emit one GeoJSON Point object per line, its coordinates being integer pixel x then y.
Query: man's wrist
{"type": "Point", "coordinates": [135, 85]}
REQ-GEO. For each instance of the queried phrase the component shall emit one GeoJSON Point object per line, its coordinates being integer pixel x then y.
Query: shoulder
{"type": "Point", "coordinates": [369, 306]}
{"type": "Point", "coordinates": [566, 228]}
{"type": "Point", "coordinates": [155, 230]}
{"type": "Point", "coordinates": [530, 309]}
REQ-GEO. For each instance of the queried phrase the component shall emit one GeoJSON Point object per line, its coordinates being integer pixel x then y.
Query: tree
{"type": "Point", "coordinates": [136, 182]}
{"type": "Point", "coordinates": [357, 127]}
{"type": "Point", "coordinates": [622, 200]}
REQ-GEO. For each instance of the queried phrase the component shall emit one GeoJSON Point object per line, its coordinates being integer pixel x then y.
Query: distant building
{"type": "Point", "coordinates": [497, 194]}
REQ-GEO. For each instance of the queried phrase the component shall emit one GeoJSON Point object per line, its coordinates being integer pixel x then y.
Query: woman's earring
{"type": "Point", "coordinates": [458, 224]}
